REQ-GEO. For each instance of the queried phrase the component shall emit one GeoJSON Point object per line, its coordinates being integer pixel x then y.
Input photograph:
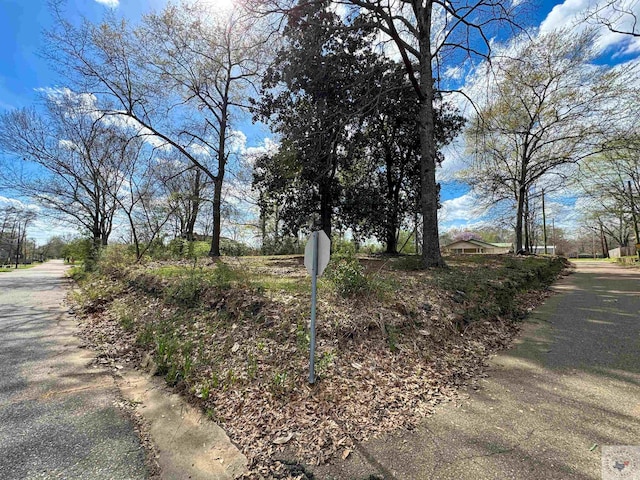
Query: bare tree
{"type": "Point", "coordinates": [185, 189]}
{"type": "Point", "coordinates": [14, 220]}
{"type": "Point", "coordinates": [610, 184]}
{"type": "Point", "coordinates": [181, 76]}
{"type": "Point", "coordinates": [78, 158]}
{"type": "Point", "coordinates": [548, 109]}
{"type": "Point", "coordinates": [139, 195]}
{"type": "Point", "coordinates": [618, 16]}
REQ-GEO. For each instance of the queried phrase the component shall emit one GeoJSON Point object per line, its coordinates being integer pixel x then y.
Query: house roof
{"type": "Point", "coordinates": [479, 243]}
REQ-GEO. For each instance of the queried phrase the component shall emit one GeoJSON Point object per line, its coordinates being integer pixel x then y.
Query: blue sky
{"type": "Point", "coordinates": [22, 72]}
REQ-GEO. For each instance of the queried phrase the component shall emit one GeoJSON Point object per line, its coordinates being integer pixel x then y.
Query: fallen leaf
{"type": "Point", "coordinates": [284, 439]}
{"type": "Point", "coordinates": [346, 454]}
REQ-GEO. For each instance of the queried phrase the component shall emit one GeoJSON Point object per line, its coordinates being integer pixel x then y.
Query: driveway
{"type": "Point", "coordinates": [58, 413]}
{"type": "Point", "coordinates": [569, 388]}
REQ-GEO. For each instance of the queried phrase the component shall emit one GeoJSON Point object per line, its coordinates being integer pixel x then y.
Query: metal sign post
{"type": "Point", "coordinates": [316, 258]}
{"type": "Point", "coordinates": [312, 328]}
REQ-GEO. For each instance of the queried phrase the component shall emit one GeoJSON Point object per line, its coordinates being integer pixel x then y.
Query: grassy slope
{"type": "Point", "coordinates": [234, 337]}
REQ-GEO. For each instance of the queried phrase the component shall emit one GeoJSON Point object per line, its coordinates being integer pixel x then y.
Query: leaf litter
{"type": "Point", "coordinates": [241, 353]}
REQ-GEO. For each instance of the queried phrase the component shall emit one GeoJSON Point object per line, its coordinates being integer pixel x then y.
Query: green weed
{"type": "Point", "coordinates": [324, 363]}
{"type": "Point", "coordinates": [347, 275]}
{"type": "Point", "coordinates": [303, 339]}
{"type": "Point", "coordinates": [252, 366]}
{"type": "Point", "coordinates": [279, 382]}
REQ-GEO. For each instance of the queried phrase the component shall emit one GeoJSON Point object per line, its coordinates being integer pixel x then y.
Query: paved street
{"type": "Point", "coordinates": [549, 405]}
{"type": "Point", "coordinates": [57, 413]}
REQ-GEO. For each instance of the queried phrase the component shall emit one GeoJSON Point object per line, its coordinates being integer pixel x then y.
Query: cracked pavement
{"type": "Point", "coordinates": [569, 386]}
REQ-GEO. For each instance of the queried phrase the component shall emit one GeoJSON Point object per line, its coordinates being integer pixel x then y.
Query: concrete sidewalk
{"type": "Point", "coordinates": [570, 386]}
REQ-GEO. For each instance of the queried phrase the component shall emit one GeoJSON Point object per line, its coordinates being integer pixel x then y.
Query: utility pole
{"type": "Point", "coordinates": [18, 246]}
{"type": "Point", "coordinates": [634, 218]}
{"type": "Point", "coordinates": [544, 224]}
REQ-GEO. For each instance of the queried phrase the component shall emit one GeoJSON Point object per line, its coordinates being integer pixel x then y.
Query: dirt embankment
{"type": "Point", "coordinates": [233, 336]}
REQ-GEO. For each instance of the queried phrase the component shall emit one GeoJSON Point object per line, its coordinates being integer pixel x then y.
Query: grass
{"type": "Point", "coordinates": [274, 283]}
{"type": "Point", "coordinates": [5, 269]}
{"type": "Point", "coordinates": [629, 261]}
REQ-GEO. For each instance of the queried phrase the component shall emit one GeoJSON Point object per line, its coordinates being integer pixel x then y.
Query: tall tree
{"type": "Point", "coordinates": [183, 87]}
{"type": "Point", "coordinates": [382, 191]}
{"type": "Point", "coordinates": [548, 109]}
{"type": "Point", "coordinates": [425, 35]}
{"type": "Point", "coordinates": [314, 97]}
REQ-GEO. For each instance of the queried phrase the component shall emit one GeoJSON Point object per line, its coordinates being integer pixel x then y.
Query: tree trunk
{"type": "Point", "coordinates": [603, 243]}
{"type": "Point", "coordinates": [392, 240]}
{"type": "Point", "coordinates": [194, 207]}
{"type": "Point", "coordinates": [527, 224]}
{"type": "Point", "coordinates": [519, 218]}
{"type": "Point", "coordinates": [263, 230]}
{"type": "Point", "coordinates": [219, 179]}
{"type": "Point", "coordinates": [393, 201]}
{"type": "Point", "coordinates": [214, 251]}
{"type": "Point", "coordinates": [431, 256]}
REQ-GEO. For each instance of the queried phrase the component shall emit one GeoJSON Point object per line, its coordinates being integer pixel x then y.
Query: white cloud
{"type": "Point", "coordinates": [455, 160]}
{"type": "Point", "coordinates": [466, 207]}
{"type": "Point", "coordinates": [67, 144]}
{"type": "Point", "coordinates": [622, 16]}
{"type": "Point", "coordinates": [237, 142]}
{"type": "Point", "coordinates": [454, 73]}
{"type": "Point", "coordinates": [564, 15]}
{"type": "Point", "coordinates": [85, 103]}
{"type": "Point", "coordinates": [267, 146]}
{"type": "Point", "coordinates": [10, 202]}
{"type": "Point", "coordinates": [199, 150]}
{"type": "Point", "coordinates": [109, 3]}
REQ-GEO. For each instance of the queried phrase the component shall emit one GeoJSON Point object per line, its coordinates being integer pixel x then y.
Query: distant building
{"type": "Point", "coordinates": [477, 247]}
{"type": "Point", "coordinates": [622, 251]}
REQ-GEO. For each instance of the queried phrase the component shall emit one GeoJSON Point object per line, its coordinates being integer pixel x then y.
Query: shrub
{"type": "Point", "coordinates": [233, 248]}
{"type": "Point", "coordinates": [115, 259]}
{"type": "Point", "coordinates": [347, 275]}
{"type": "Point", "coordinates": [222, 275]}
{"type": "Point", "coordinates": [341, 246]}
{"type": "Point", "coordinates": [282, 246]}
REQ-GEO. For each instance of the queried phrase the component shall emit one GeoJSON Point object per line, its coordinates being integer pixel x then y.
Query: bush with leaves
{"type": "Point", "coordinates": [347, 275]}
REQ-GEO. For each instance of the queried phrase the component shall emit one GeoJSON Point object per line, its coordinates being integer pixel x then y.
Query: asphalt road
{"type": "Point", "coordinates": [551, 408]}
{"type": "Point", "coordinates": [58, 413]}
